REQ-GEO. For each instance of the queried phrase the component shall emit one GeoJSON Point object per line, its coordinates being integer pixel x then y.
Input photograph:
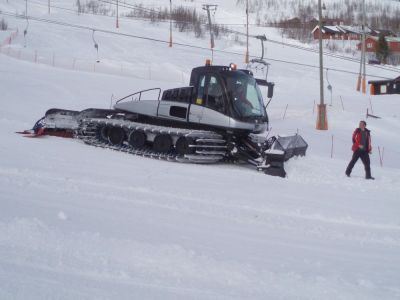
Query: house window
{"type": "Point", "coordinates": [383, 89]}
{"type": "Point", "coordinates": [369, 45]}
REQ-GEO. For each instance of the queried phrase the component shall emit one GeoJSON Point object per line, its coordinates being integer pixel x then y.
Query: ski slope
{"type": "Point", "coordinates": [78, 222]}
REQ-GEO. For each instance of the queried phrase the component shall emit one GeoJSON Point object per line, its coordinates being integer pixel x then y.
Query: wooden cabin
{"type": "Point", "coordinates": [328, 32]}
{"type": "Point", "coordinates": [385, 87]}
{"type": "Point", "coordinates": [371, 44]}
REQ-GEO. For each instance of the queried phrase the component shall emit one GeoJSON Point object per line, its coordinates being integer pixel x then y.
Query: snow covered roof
{"type": "Point", "coordinates": [392, 39]}
{"type": "Point", "coordinates": [384, 81]}
{"type": "Point", "coordinates": [387, 38]}
{"type": "Point", "coordinates": [328, 29]}
{"type": "Point", "coordinates": [383, 31]}
{"type": "Point", "coordinates": [342, 29]}
{"type": "Point", "coordinates": [335, 29]}
{"type": "Point", "coordinates": [355, 29]}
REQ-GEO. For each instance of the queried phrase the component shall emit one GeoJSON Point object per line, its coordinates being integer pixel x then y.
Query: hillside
{"type": "Point", "coordinates": [79, 222]}
{"type": "Point", "coordinates": [378, 12]}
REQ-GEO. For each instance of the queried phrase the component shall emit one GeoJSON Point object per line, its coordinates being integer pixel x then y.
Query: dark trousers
{"type": "Point", "coordinates": [365, 160]}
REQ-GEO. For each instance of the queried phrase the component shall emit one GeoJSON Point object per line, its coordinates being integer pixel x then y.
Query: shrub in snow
{"type": "Point", "coordinates": [3, 25]}
{"type": "Point", "coordinates": [186, 19]}
{"type": "Point", "coordinates": [93, 7]}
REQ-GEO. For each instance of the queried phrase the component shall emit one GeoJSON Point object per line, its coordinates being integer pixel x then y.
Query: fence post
{"type": "Point", "coordinates": [313, 109]}
{"type": "Point", "coordinates": [332, 147]}
{"type": "Point", "coordinates": [370, 104]}
{"type": "Point", "coordinates": [341, 100]}
{"type": "Point", "coordinates": [284, 114]}
{"type": "Point", "coordinates": [380, 156]}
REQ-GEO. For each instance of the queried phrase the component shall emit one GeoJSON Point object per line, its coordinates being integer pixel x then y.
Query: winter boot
{"type": "Point", "coordinates": [368, 175]}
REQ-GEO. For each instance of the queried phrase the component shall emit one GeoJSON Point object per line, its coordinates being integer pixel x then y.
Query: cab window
{"type": "Point", "coordinates": [215, 95]}
{"type": "Point", "coordinates": [200, 98]}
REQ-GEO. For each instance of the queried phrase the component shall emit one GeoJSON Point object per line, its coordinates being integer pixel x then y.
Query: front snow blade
{"type": "Point", "coordinates": [293, 145]}
{"type": "Point", "coordinates": [275, 163]}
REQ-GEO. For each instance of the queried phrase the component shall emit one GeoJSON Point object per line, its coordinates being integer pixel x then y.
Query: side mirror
{"type": "Point", "coordinates": [270, 86]}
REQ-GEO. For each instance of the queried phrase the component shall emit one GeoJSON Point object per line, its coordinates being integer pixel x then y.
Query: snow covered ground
{"type": "Point", "coordinates": [77, 222]}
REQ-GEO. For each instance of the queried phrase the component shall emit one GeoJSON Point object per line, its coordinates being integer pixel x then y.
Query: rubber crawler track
{"type": "Point", "coordinates": [209, 147]}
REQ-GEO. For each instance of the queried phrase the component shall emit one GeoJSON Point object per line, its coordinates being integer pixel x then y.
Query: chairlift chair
{"type": "Point", "coordinates": [96, 46]}
{"type": "Point", "coordinates": [259, 64]}
{"type": "Point", "coordinates": [329, 87]}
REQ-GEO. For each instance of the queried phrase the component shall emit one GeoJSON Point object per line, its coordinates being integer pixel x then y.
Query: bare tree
{"type": "Point", "coordinates": [3, 25]}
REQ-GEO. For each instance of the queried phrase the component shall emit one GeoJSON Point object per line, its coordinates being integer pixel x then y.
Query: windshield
{"type": "Point", "coordinates": [245, 95]}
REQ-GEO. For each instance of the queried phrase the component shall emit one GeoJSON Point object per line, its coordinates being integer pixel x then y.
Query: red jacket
{"type": "Point", "coordinates": [357, 140]}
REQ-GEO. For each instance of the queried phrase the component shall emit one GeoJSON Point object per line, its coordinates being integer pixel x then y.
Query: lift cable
{"type": "Point", "coordinates": [167, 42]}
{"type": "Point", "coordinates": [326, 53]}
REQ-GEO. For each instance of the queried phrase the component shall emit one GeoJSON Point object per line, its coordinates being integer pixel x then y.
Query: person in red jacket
{"type": "Point", "coordinates": [361, 149]}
